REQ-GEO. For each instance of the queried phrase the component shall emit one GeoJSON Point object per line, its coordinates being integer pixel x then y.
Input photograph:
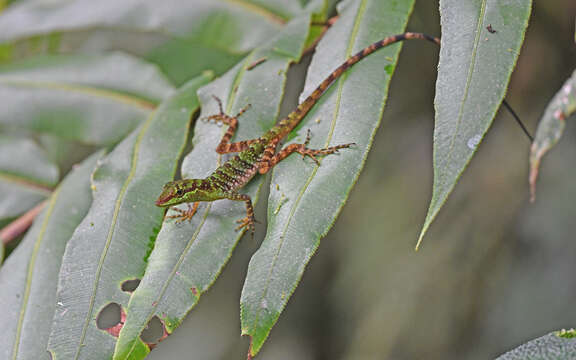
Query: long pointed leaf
{"type": "Point", "coordinates": [110, 245]}
{"type": "Point", "coordinates": [305, 198]}
{"type": "Point", "coordinates": [235, 25]}
{"type": "Point", "coordinates": [92, 99]}
{"type": "Point", "coordinates": [29, 277]}
{"type": "Point", "coordinates": [188, 257]}
{"type": "Point", "coordinates": [481, 40]}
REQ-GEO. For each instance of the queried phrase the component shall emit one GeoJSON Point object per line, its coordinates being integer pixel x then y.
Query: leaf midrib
{"type": "Point", "coordinates": [471, 68]}
{"type": "Point", "coordinates": [259, 10]}
{"type": "Point", "coordinates": [83, 89]}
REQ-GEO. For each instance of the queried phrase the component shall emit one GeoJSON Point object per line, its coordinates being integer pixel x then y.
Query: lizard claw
{"type": "Point", "coordinates": [219, 104]}
{"type": "Point", "coordinates": [247, 223]}
{"type": "Point", "coordinates": [310, 156]}
{"type": "Point", "coordinates": [243, 110]}
{"type": "Point", "coordinates": [184, 215]}
{"type": "Point", "coordinates": [218, 118]}
{"type": "Point", "coordinates": [307, 141]}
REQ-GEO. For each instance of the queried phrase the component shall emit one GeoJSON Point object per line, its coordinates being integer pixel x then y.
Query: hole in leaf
{"type": "Point", "coordinates": [130, 285]}
{"type": "Point", "coordinates": [154, 332]}
{"type": "Point", "coordinates": [111, 319]}
{"type": "Point", "coordinates": [109, 316]}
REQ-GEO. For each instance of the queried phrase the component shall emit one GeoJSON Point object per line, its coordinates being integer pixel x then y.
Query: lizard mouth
{"type": "Point", "coordinates": [162, 200]}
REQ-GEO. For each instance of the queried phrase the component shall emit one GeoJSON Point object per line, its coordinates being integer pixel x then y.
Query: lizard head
{"type": "Point", "coordinates": [187, 190]}
{"type": "Point", "coordinates": [172, 194]}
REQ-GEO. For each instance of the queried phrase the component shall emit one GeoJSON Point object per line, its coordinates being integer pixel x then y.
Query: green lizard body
{"type": "Point", "coordinates": [259, 155]}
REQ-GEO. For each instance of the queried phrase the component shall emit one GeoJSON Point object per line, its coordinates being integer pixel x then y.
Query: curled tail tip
{"type": "Point", "coordinates": [430, 38]}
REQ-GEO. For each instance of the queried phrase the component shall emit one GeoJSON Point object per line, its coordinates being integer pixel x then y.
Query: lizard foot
{"type": "Point", "coordinates": [222, 117]}
{"type": "Point", "coordinates": [247, 223]}
{"type": "Point", "coordinates": [311, 153]}
{"type": "Point", "coordinates": [184, 215]}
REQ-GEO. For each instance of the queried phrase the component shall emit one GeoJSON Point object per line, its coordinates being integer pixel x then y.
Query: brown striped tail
{"type": "Point", "coordinates": [296, 116]}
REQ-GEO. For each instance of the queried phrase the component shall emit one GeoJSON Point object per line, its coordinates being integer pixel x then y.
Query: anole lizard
{"type": "Point", "coordinates": [259, 155]}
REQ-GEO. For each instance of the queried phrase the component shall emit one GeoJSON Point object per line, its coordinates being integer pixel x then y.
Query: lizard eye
{"type": "Point", "coordinates": [180, 192]}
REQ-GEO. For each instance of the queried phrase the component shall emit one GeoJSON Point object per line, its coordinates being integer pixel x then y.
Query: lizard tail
{"type": "Point", "coordinates": [290, 122]}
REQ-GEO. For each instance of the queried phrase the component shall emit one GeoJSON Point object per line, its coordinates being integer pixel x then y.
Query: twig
{"type": "Point", "coordinates": [256, 63]}
{"type": "Point", "coordinates": [326, 25]}
{"type": "Point", "coordinates": [517, 118]}
{"type": "Point", "coordinates": [18, 226]}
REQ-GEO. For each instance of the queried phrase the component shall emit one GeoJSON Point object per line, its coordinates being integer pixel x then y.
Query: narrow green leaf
{"type": "Point", "coordinates": [481, 41]}
{"type": "Point", "coordinates": [187, 258]}
{"type": "Point", "coordinates": [110, 245]}
{"type": "Point", "coordinates": [305, 199]}
{"type": "Point", "coordinates": [29, 277]}
{"type": "Point", "coordinates": [551, 126]}
{"type": "Point", "coordinates": [26, 175]}
{"type": "Point", "coordinates": [92, 99]}
{"type": "Point", "coordinates": [557, 345]}
{"type": "Point", "coordinates": [234, 25]}
{"type": "Point", "coordinates": [64, 153]}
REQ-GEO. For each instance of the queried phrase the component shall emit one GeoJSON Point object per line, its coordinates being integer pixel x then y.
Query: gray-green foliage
{"type": "Point", "coordinates": [125, 78]}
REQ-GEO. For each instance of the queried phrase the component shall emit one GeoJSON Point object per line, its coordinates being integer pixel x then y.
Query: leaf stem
{"type": "Point", "coordinates": [517, 118]}
{"type": "Point", "coordinates": [18, 226]}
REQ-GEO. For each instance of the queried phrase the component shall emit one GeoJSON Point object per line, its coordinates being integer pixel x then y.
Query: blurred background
{"type": "Point", "coordinates": [494, 271]}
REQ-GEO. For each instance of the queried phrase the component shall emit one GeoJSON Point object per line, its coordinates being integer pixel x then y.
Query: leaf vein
{"type": "Point", "coordinates": [259, 10]}
{"type": "Point", "coordinates": [83, 89]}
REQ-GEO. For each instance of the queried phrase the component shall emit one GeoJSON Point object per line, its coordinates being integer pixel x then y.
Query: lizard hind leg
{"type": "Point", "coordinates": [225, 146]}
{"type": "Point", "coordinates": [249, 221]}
{"type": "Point", "coordinates": [301, 149]}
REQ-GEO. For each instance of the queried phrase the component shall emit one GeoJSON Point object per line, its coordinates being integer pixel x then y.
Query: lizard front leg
{"type": "Point", "coordinates": [184, 215]}
{"type": "Point", "coordinates": [268, 163]}
{"type": "Point", "coordinates": [249, 221]}
{"type": "Point", "coordinates": [225, 146]}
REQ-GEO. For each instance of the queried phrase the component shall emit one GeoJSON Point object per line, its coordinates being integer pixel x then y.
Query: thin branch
{"type": "Point", "coordinates": [517, 118]}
